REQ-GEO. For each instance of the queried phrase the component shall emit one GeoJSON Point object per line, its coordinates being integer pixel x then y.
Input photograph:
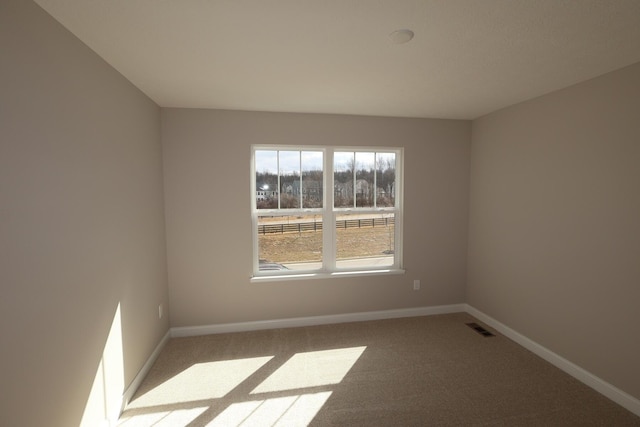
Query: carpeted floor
{"type": "Point", "coordinates": [419, 371]}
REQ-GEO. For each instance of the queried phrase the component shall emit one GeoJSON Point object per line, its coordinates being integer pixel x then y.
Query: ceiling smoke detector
{"type": "Point", "coordinates": [401, 36]}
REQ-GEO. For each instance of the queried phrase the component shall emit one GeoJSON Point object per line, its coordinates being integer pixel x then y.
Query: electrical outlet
{"type": "Point", "coordinates": [160, 311]}
{"type": "Point", "coordinates": [416, 285]}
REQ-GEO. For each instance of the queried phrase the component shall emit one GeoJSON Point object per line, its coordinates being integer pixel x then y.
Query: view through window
{"type": "Point", "coordinates": [299, 226]}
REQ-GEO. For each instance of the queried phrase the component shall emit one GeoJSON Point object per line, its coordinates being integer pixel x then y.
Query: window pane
{"type": "Point", "coordinates": [365, 240]}
{"type": "Point", "coordinates": [365, 170]}
{"type": "Point", "coordinates": [266, 179]}
{"type": "Point", "coordinates": [385, 179]}
{"type": "Point", "coordinates": [289, 162]}
{"type": "Point", "coordinates": [290, 181]}
{"type": "Point", "coordinates": [343, 167]}
{"type": "Point", "coordinates": [290, 242]}
{"type": "Point", "coordinates": [312, 176]}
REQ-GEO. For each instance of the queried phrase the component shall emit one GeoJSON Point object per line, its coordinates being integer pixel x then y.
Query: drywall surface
{"type": "Point", "coordinates": [207, 155]}
{"type": "Point", "coordinates": [81, 224]}
{"type": "Point", "coordinates": [554, 248]}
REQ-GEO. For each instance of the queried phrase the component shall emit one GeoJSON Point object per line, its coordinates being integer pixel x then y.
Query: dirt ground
{"type": "Point", "coordinates": [307, 246]}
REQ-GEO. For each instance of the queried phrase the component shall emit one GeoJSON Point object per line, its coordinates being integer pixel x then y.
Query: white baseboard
{"type": "Point", "coordinates": [133, 387]}
{"type": "Point", "coordinates": [187, 331]}
{"type": "Point", "coordinates": [620, 397]}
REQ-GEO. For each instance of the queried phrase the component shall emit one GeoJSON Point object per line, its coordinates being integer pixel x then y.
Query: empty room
{"type": "Point", "coordinates": [327, 213]}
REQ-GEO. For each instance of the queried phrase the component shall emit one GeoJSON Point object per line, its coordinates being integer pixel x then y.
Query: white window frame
{"type": "Point", "coordinates": [329, 214]}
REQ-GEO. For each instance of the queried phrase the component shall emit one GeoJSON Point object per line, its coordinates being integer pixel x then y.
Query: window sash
{"type": "Point", "coordinates": [329, 213]}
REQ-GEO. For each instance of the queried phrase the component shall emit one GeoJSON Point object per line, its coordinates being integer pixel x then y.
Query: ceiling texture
{"type": "Point", "coordinates": [468, 57]}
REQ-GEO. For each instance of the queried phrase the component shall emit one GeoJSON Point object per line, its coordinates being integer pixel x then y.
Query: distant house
{"type": "Point", "coordinates": [345, 189]}
{"type": "Point", "coordinates": [310, 189]}
{"type": "Point", "coordinates": [265, 193]}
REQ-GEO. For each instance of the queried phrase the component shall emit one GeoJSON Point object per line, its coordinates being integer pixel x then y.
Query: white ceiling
{"type": "Point", "coordinates": [468, 57]}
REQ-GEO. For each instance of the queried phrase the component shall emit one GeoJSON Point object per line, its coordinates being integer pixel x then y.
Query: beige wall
{"type": "Point", "coordinates": [209, 244]}
{"type": "Point", "coordinates": [554, 235]}
{"type": "Point", "coordinates": [81, 219]}
{"type": "Point", "coordinates": [554, 248]}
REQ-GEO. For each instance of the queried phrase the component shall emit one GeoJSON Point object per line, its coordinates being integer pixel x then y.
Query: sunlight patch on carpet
{"type": "Point", "coordinates": [289, 411]}
{"type": "Point", "coordinates": [175, 418]}
{"type": "Point", "coordinates": [311, 369]}
{"type": "Point", "coordinates": [201, 381]}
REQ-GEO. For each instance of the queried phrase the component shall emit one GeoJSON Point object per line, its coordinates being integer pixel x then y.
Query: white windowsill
{"type": "Point", "coordinates": [324, 275]}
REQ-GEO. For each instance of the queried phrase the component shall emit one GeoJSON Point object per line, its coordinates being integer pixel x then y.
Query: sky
{"type": "Point", "coordinates": [266, 161]}
{"type": "Point", "coordinates": [290, 161]}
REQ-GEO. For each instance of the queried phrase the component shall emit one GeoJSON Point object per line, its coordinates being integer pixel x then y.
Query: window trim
{"type": "Point", "coordinates": [329, 213]}
{"type": "Point", "coordinates": [324, 275]}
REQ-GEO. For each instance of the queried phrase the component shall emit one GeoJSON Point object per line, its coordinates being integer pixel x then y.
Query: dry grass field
{"type": "Point", "coordinates": [307, 245]}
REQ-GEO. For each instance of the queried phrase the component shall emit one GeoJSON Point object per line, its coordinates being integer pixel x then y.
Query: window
{"type": "Point", "coordinates": [319, 211]}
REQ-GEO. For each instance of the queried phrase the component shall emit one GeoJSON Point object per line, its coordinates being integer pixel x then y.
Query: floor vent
{"type": "Point", "coordinates": [479, 329]}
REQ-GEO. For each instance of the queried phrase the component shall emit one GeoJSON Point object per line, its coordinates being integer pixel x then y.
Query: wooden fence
{"type": "Point", "coordinates": [298, 227]}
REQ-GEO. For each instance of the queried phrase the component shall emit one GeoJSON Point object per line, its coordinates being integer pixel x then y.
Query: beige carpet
{"type": "Point", "coordinates": [420, 371]}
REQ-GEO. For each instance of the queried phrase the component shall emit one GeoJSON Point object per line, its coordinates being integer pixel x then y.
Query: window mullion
{"type": "Point", "coordinates": [328, 217]}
